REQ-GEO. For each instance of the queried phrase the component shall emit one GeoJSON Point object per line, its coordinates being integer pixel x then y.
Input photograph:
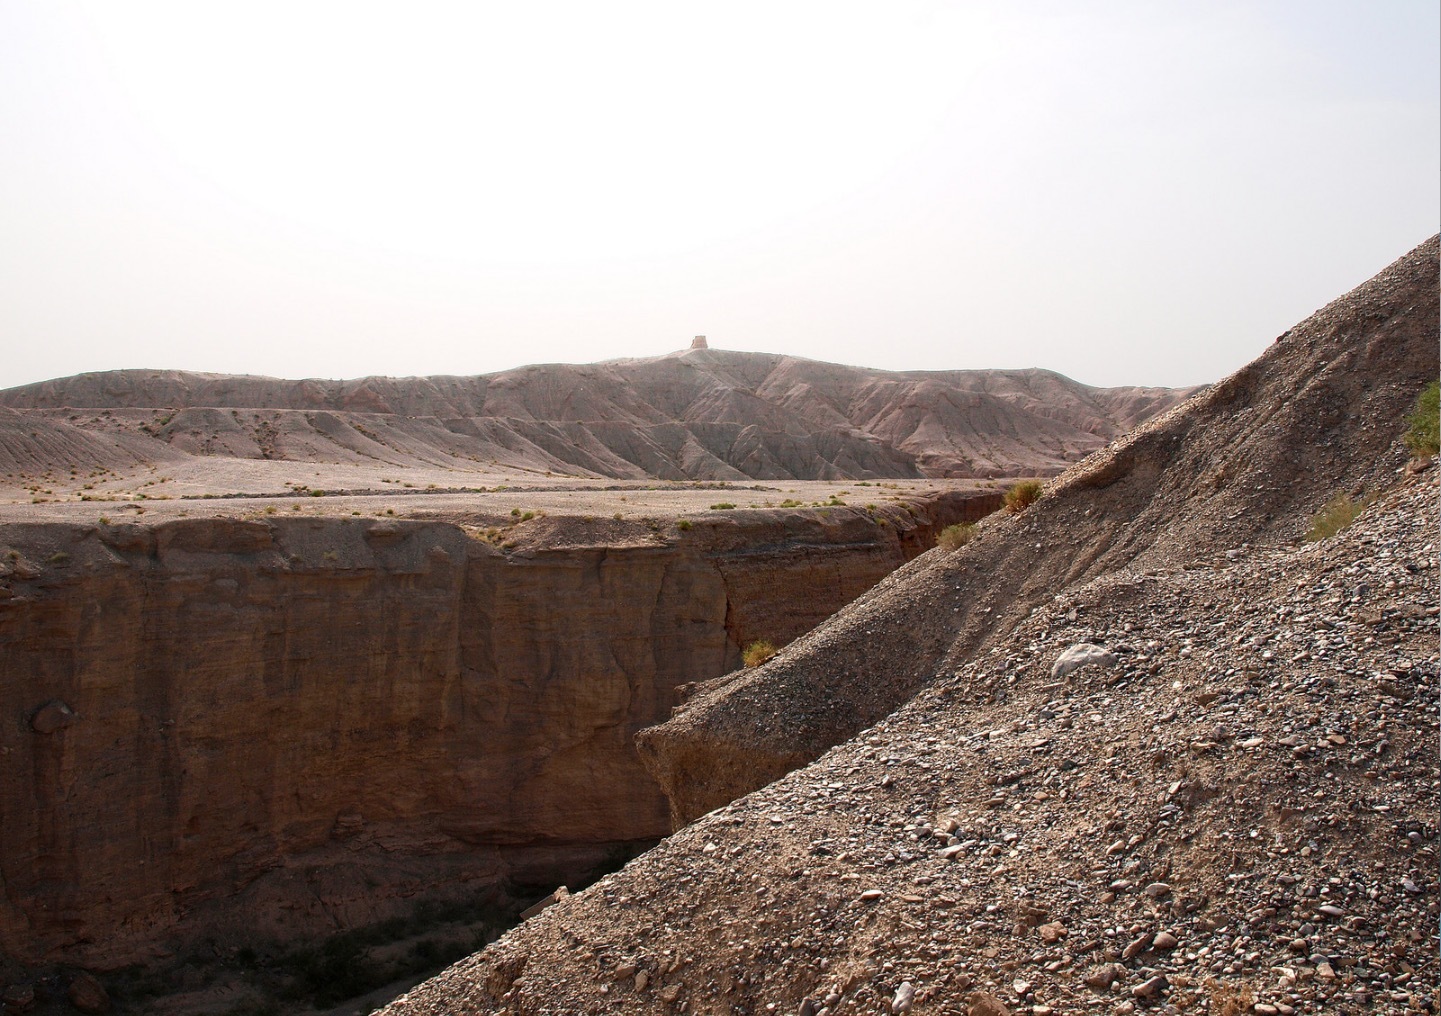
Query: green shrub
{"type": "Point", "coordinates": [722, 507]}
{"type": "Point", "coordinates": [1422, 425]}
{"type": "Point", "coordinates": [1338, 513]}
{"type": "Point", "coordinates": [758, 652]}
{"type": "Point", "coordinates": [1023, 495]}
{"type": "Point", "coordinates": [683, 525]}
{"type": "Point", "coordinates": [957, 536]}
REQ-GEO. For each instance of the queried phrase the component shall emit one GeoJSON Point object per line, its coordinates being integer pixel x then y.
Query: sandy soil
{"type": "Point", "coordinates": [238, 488]}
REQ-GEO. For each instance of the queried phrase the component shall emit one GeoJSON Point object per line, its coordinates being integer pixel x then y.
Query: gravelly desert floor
{"type": "Point", "coordinates": [413, 497]}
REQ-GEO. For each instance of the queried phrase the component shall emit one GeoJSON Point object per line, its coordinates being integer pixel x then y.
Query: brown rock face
{"type": "Point", "coordinates": [274, 729]}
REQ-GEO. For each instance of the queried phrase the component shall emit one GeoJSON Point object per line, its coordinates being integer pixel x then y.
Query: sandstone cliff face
{"type": "Point", "coordinates": [271, 728]}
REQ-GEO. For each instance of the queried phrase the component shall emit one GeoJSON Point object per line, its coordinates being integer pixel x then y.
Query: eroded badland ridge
{"type": "Point", "coordinates": [1232, 808]}
{"type": "Point", "coordinates": [702, 414]}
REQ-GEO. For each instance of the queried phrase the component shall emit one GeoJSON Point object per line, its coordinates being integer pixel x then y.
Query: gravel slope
{"type": "Point", "coordinates": [1243, 805]}
{"type": "Point", "coordinates": [1234, 810]}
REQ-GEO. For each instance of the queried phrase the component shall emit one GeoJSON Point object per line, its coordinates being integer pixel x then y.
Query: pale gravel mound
{"type": "Point", "coordinates": [1256, 780]}
{"type": "Point", "coordinates": [1249, 460]}
{"type": "Point", "coordinates": [700, 414]}
{"type": "Point", "coordinates": [32, 445]}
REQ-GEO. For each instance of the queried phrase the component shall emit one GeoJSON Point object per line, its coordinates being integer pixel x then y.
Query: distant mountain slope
{"type": "Point", "coordinates": [701, 414]}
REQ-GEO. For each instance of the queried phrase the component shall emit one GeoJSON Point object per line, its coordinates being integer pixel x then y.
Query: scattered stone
{"type": "Point", "coordinates": [1105, 975]}
{"type": "Point", "coordinates": [52, 716]}
{"type": "Point", "coordinates": [549, 900]}
{"type": "Point", "coordinates": [18, 997]}
{"type": "Point", "coordinates": [87, 994]}
{"type": "Point", "coordinates": [1152, 987]}
{"type": "Point", "coordinates": [641, 980]}
{"type": "Point", "coordinates": [1138, 946]}
{"type": "Point", "coordinates": [1082, 654]}
{"type": "Point", "coordinates": [1052, 933]}
{"type": "Point", "coordinates": [1165, 941]}
{"type": "Point", "coordinates": [983, 1003]}
{"type": "Point", "coordinates": [670, 993]}
{"type": "Point", "coordinates": [905, 996]}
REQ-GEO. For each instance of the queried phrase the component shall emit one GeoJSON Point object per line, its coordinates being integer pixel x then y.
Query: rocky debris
{"type": "Point", "coordinates": [1262, 868]}
{"type": "Point", "coordinates": [1082, 654]}
{"type": "Point", "coordinates": [548, 900]}
{"type": "Point", "coordinates": [985, 1004]}
{"type": "Point", "coordinates": [52, 716]}
{"type": "Point", "coordinates": [18, 997]}
{"type": "Point", "coordinates": [1233, 816]}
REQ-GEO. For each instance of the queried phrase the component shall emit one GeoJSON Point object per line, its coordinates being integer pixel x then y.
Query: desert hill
{"type": "Point", "coordinates": [1231, 809]}
{"type": "Point", "coordinates": [702, 414]}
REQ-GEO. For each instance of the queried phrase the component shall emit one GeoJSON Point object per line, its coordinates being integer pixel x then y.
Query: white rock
{"type": "Point", "coordinates": [1082, 654]}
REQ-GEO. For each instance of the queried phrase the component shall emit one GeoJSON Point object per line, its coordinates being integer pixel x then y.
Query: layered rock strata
{"type": "Point", "coordinates": [701, 414]}
{"type": "Point", "coordinates": [267, 728]}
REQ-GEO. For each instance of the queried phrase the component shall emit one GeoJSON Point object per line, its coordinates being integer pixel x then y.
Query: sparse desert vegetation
{"type": "Point", "coordinates": [1423, 426]}
{"type": "Point", "coordinates": [758, 652]}
{"type": "Point", "coordinates": [1022, 496]}
{"type": "Point", "coordinates": [956, 536]}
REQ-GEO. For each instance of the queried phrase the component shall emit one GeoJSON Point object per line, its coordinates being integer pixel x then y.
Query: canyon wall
{"type": "Point", "coordinates": [263, 729]}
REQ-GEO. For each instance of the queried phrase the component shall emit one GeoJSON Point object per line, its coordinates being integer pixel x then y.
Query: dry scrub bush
{"type": "Point", "coordinates": [1022, 496]}
{"type": "Point", "coordinates": [1229, 999]}
{"type": "Point", "coordinates": [758, 652]}
{"type": "Point", "coordinates": [1423, 426]}
{"type": "Point", "coordinates": [1338, 513]}
{"type": "Point", "coordinates": [957, 536]}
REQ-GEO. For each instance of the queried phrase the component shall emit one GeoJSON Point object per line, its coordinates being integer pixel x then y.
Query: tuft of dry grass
{"type": "Point", "coordinates": [758, 652]}
{"type": "Point", "coordinates": [1336, 515]}
{"type": "Point", "coordinates": [1229, 999]}
{"type": "Point", "coordinates": [1022, 496]}
{"type": "Point", "coordinates": [1423, 426]}
{"type": "Point", "coordinates": [957, 536]}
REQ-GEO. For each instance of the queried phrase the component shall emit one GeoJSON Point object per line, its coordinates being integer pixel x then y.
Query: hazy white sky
{"type": "Point", "coordinates": [1126, 192]}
